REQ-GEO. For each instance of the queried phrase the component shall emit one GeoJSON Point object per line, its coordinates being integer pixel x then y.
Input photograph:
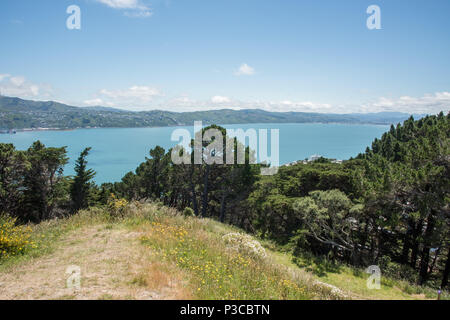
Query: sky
{"type": "Point", "coordinates": [186, 55]}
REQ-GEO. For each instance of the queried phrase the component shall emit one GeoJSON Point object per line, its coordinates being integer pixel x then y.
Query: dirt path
{"type": "Point", "coordinates": [113, 265]}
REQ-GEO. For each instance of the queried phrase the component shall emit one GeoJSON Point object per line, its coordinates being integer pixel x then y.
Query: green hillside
{"type": "Point", "coordinates": [17, 113]}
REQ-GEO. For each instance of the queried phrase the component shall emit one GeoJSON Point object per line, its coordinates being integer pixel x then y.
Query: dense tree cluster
{"type": "Point", "coordinates": [33, 187]}
{"type": "Point", "coordinates": [411, 193]}
{"type": "Point", "coordinates": [389, 206]}
{"type": "Point", "coordinates": [210, 189]}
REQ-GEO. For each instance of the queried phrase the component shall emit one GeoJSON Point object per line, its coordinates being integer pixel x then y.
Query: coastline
{"type": "Point", "coordinates": [13, 131]}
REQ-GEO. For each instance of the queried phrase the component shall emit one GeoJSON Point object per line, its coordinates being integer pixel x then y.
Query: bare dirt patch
{"type": "Point", "coordinates": [113, 266]}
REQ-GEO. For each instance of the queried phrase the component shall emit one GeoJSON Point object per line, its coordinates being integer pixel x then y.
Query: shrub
{"type": "Point", "coordinates": [396, 270]}
{"type": "Point", "coordinates": [116, 207]}
{"type": "Point", "coordinates": [14, 239]}
{"type": "Point", "coordinates": [188, 212]}
{"type": "Point", "coordinates": [244, 244]}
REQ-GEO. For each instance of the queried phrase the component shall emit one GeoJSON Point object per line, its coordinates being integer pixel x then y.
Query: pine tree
{"type": "Point", "coordinates": [81, 186]}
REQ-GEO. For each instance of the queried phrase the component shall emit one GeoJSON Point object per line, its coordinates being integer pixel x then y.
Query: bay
{"type": "Point", "coordinates": [116, 151]}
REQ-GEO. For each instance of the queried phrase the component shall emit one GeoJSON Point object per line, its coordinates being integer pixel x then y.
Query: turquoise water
{"type": "Point", "coordinates": [116, 151]}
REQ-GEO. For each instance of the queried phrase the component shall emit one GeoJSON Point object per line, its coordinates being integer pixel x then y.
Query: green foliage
{"type": "Point", "coordinates": [210, 189]}
{"type": "Point", "coordinates": [392, 203]}
{"type": "Point", "coordinates": [80, 190]}
{"type": "Point", "coordinates": [188, 212]}
{"type": "Point", "coordinates": [413, 164]}
{"type": "Point", "coordinates": [13, 165]}
{"type": "Point", "coordinates": [32, 185]}
{"type": "Point", "coordinates": [328, 217]}
{"type": "Point", "coordinates": [44, 181]}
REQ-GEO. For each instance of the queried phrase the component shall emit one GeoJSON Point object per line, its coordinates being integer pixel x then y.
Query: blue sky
{"type": "Point", "coordinates": [182, 55]}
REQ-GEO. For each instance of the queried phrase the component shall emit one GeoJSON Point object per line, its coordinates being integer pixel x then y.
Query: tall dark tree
{"type": "Point", "coordinates": [81, 185]}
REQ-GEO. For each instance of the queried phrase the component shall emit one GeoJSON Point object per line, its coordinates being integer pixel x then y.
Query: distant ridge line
{"type": "Point", "coordinates": [17, 113]}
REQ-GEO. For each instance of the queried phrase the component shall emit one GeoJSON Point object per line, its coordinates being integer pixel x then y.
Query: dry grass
{"type": "Point", "coordinates": [108, 258]}
{"type": "Point", "coordinates": [164, 278]}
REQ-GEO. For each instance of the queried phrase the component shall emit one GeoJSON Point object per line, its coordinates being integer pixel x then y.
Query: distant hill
{"type": "Point", "coordinates": [16, 113]}
{"type": "Point", "coordinates": [100, 108]}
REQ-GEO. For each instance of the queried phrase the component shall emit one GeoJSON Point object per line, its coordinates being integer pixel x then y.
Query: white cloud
{"type": "Point", "coordinates": [429, 103]}
{"type": "Point", "coordinates": [186, 104]}
{"type": "Point", "coordinates": [181, 101]}
{"type": "Point", "coordinates": [220, 99]}
{"type": "Point", "coordinates": [93, 102]}
{"type": "Point", "coordinates": [245, 70]}
{"type": "Point", "coordinates": [221, 102]}
{"type": "Point", "coordinates": [3, 76]}
{"type": "Point", "coordinates": [141, 97]}
{"type": "Point", "coordinates": [138, 8]}
{"type": "Point", "coordinates": [17, 81]}
{"type": "Point", "coordinates": [133, 98]}
{"type": "Point", "coordinates": [142, 93]}
{"type": "Point", "coordinates": [123, 4]}
{"type": "Point", "coordinates": [18, 86]}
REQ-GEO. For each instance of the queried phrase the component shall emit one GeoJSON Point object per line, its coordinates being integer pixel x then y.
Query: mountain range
{"type": "Point", "coordinates": [16, 113]}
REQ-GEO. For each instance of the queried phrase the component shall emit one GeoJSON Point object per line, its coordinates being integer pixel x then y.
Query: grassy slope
{"type": "Point", "coordinates": [169, 257]}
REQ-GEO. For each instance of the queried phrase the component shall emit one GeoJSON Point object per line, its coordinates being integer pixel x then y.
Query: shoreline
{"type": "Point", "coordinates": [14, 131]}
